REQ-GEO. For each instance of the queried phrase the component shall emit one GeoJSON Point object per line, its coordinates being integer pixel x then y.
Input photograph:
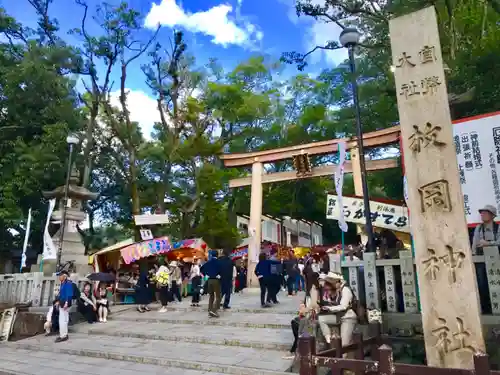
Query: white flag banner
{"type": "Point", "coordinates": [339, 185]}
{"type": "Point", "coordinates": [405, 189]}
{"type": "Point", "coordinates": [26, 237]}
{"type": "Point", "coordinates": [49, 249]}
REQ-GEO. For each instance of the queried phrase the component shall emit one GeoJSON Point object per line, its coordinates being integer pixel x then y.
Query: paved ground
{"type": "Point", "coordinates": [245, 340]}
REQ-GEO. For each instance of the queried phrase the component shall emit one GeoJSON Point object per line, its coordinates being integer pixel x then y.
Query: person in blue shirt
{"type": "Point", "coordinates": [226, 281]}
{"type": "Point", "coordinates": [65, 299]}
{"type": "Point", "coordinates": [263, 273]}
{"type": "Point", "coordinates": [212, 269]}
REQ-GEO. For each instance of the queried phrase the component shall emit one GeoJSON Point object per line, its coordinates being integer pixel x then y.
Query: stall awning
{"type": "Point", "coordinates": [117, 246]}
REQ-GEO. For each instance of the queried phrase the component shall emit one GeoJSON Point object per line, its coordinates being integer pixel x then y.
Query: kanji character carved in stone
{"type": "Point", "coordinates": [449, 341]}
{"type": "Point", "coordinates": [453, 260]}
{"type": "Point", "coordinates": [409, 89]}
{"type": "Point", "coordinates": [421, 139]}
{"type": "Point", "coordinates": [431, 265]}
{"type": "Point", "coordinates": [427, 54]}
{"type": "Point", "coordinates": [430, 85]}
{"type": "Point", "coordinates": [435, 195]}
{"type": "Point", "coordinates": [405, 60]}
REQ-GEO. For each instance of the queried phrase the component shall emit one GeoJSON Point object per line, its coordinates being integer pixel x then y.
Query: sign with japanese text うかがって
{"type": "Point", "coordinates": [449, 300]}
{"type": "Point", "coordinates": [384, 215]}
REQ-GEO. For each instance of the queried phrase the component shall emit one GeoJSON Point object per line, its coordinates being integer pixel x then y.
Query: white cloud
{"type": "Point", "coordinates": [216, 22]}
{"type": "Point", "coordinates": [143, 109]}
{"type": "Point", "coordinates": [318, 34]}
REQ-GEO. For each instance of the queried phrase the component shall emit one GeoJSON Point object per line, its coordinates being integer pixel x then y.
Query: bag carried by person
{"type": "Point", "coordinates": [480, 251]}
{"type": "Point", "coordinates": [358, 307]}
{"type": "Point", "coordinates": [76, 291]}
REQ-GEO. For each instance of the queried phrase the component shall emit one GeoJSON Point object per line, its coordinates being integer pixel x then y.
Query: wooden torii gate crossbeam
{"type": "Point", "coordinates": [257, 178]}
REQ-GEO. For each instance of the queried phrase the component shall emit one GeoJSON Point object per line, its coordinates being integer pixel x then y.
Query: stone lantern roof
{"type": "Point", "coordinates": [74, 191]}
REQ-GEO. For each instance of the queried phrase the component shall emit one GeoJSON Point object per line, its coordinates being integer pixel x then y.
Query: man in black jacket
{"type": "Point", "coordinates": [226, 272]}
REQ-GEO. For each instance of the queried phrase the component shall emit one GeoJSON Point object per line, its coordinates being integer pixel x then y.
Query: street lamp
{"type": "Point", "coordinates": [71, 140]}
{"type": "Point", "coordinates": [349, 38]}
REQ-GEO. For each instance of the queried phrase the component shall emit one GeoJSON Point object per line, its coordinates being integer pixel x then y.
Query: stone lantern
{"type": "Point", "coordinates": [73, 248]}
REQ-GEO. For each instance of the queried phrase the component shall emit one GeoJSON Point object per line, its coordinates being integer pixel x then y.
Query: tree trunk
{"type": "Point", "coordinates": [94, 111]}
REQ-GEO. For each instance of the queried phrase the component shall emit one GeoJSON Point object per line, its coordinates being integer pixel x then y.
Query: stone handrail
{"type": "Point", "coordinates": [34, 287]}
{"type": "Point", "coordinates": [386, 284]}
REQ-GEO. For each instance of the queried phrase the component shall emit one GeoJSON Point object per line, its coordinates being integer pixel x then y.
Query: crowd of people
{"type": "Point", "coordinates": [218, 278]}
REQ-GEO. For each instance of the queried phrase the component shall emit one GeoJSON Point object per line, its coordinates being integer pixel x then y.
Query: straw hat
{"type": "Point", "coordinates": [331, 277]}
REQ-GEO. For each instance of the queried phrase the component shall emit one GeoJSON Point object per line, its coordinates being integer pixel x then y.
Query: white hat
{"type": "Point", "coordinates": [173, 263]}
{"type": "Point", "coordinates": [331, 277]}
{"type": "Point", "coordinates": [490, 209]}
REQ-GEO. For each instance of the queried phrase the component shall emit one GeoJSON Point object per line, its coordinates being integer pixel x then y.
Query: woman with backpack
{"type": "Point", "coordinates": [338, 305]}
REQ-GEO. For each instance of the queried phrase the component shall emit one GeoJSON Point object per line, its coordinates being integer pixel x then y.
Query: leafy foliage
{"type": "Point", "coordinates": [204, 110]}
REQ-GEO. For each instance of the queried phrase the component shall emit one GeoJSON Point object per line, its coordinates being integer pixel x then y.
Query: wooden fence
{"type": "Point", "coordinates": [381, 362]}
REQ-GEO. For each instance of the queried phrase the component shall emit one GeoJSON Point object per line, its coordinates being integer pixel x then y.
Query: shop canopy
{"type": "Point", "coordinates": [188, 250]}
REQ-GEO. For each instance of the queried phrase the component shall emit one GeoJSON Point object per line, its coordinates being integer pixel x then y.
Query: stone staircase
{"type": "Point", "coordinates": [182, 341]}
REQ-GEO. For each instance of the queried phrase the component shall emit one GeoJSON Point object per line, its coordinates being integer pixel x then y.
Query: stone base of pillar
{"type": "Point", "coordinates": [252, 280]}
{"type": "Point", "coordinates": [72, 250]}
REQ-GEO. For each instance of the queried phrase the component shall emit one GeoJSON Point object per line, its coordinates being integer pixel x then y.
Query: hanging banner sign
{"type": "Point", "coordinates": [239, 253]}
{"type": "Point", "coordinates": [25, 244]}
{"type": "Point", "coordinates": [405, 189]}
{"type": "Point", "coordinates": [384, 215]}
{"type": "Point", "coordinates": [339, 185]}
{"type": "Point", "coordinates": [144, 249]}
{"type": "Point", "coordinates": [49, 249]}
{"type": "Point", "coordinates": [477, 146]}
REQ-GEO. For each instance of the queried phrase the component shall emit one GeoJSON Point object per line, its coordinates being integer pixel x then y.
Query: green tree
{"type": "Point", "coordinates": [38, 110]}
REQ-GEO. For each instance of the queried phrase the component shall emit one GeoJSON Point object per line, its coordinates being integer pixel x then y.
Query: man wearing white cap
{"type": "Point", "coordinates": [486, 233]}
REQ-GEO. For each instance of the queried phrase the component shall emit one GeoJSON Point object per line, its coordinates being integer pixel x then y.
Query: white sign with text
{"type": "Point", "coordinates": [477, 145]}
{"type": "Point", "coordinates": [384, 215]}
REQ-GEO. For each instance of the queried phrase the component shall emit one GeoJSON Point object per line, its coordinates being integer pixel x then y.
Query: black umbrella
{"type": "Point", "coordinates": [101, 276]}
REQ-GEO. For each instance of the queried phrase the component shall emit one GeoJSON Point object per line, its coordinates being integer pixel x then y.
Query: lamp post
{"type": "Point", "coordinates": [71, 140]}
{"type": "Point", "coordinates": [349, 38]}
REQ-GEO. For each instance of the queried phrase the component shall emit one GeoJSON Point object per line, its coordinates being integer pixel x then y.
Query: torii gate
{"type": "Point", "coordinates": [258, 177]}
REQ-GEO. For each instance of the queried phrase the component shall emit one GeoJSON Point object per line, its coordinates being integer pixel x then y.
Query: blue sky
{"type": "Point", "coordinates": [229, 30]}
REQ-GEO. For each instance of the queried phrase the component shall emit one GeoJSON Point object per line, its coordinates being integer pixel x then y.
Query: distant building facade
{"type": "Point", "coordinates": [285, 231]}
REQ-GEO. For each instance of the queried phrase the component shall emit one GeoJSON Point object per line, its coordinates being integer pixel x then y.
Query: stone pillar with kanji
{"type": "Point", "coordinates": [446, 275]}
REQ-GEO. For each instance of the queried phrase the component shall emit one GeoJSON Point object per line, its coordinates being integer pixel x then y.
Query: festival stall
{"type": "Point", "coordinates": [188, 250]}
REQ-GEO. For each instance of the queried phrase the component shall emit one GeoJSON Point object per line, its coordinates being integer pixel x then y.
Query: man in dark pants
{"type": "Point", "coordinates": [226, 281]}
{"type": "Point", "coordinates": [292, 271]}
{"type": "Point", "coordinates": [274, 284]}
{"type": "Point", "coordinates": [212, 270]}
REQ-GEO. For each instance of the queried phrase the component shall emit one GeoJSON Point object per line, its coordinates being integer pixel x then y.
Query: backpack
{"type": "Point", "coordinates": [358, 307]}
{"type": "Point", "coordinates": [495, 232]}
{"type": "Point", "coordinates": [76, 291]}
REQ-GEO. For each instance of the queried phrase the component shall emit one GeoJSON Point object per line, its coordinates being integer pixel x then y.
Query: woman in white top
{"type": "Point", "coordinates": [195, 277]}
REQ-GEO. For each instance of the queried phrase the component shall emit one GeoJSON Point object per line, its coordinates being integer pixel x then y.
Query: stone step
{"type": "Point", "coordinates": [256, 310]}
{"type": "Point", "coordinates": [183, 355]}
{"type": "Point", "coordinates": [32, 362]}
{"type": "Point", "coordinates": [258, 338]}
{"type": "Point", "coordinates": [246, 303]}
{"type": "Point", "coordinates": [200, 317]}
